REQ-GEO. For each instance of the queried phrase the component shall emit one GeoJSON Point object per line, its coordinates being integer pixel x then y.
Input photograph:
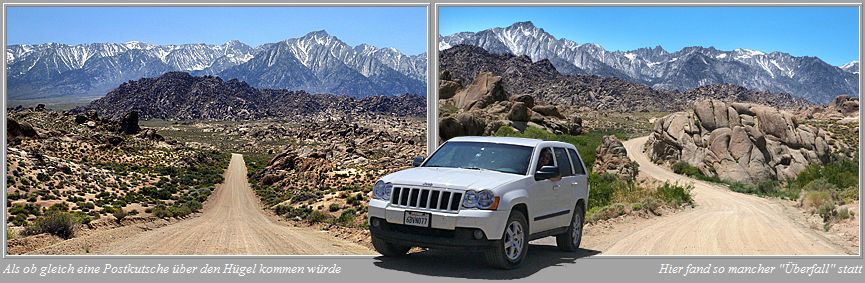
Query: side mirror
{"type": "Point", "coordinates": [547, 172]}
{"type": "Point", "coordinates": [417, 161]}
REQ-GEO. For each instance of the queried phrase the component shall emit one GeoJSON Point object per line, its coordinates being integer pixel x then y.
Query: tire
{"type": "Point", "coordinates": [388, 249]}
{"type": "Point", "coordinates": [510, 251]}
{"type": "Point", "coordinates": [569, 241]}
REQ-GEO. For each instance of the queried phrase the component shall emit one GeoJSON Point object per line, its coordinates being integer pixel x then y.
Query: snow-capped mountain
{"type": "Point", "coordinates": [317, 63]}
{"type": "Point", "coordinates": [852, 67]}
{"type": "Point", "coordinates": [321, 63]}
{"type": "Point", "coordinates": [804, 77]}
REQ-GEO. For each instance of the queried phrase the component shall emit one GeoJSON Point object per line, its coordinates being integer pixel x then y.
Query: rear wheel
{"type": "Point", "coordinates": [388, 249]}
{"type": "Point", "coordinates": [569, 241]}
{"type": "Point", "coordinates": [510, 251]}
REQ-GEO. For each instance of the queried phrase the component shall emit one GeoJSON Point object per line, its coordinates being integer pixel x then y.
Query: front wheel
{"type": "Point", "coordinates": [569, 241]}
{"type": "Point", "coordinates": [388, 249]}
{"type": "Point", "coordinates": [510, 251]}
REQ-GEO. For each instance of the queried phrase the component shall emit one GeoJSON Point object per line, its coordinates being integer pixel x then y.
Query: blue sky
{"type": "Point", "coordinates": [830, 33]}
{"type": "Point", "coordinates": [218, 25]}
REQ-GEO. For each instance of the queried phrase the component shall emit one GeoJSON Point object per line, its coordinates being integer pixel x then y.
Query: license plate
{"type": "Point", "coordinates": [420, 219]}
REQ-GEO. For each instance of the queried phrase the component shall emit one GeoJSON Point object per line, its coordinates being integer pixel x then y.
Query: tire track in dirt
{"type": "Point", "coordinates": [232, 223]}
{"type": "Point", "coordinates": [722, 223]}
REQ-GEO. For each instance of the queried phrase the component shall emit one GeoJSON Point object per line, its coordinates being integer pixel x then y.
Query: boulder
{"type": "Point", "coordinates": [524, 98]}
{"type": "Point", "coordinates": [129, 123]}
{"type": "Point", "coordinates": [519, 112]}
{"type": "Point", "coordinates": [612, 158]}
{"type": "Point", "coordinates": [548, 110]}
{"type": "Point", "coordinates": [447, 87]}
{"type": "Point", "coordinates": [465, 124]}
{"type": "Point", "coordinates": [484, 91]}
{"type": "Point", "coordinates": [740, 142]}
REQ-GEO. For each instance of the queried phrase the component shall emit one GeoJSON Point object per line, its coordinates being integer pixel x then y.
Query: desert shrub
{"type": "Point", "coordinates": [282, 209]}
{"type": "Point", "coordinates": [842, 172]}
{"type": "Point", "coordinates": [814, 199]}
{"type": "Point", "coordinates": [317, 216]}
{"type": "Point", "coordinates": [844, 213]}
{"type": "Point", "coordinates": [303, 211]}
{"type": "Point", "coordinates": [179, 211]}
{"type": "Point", "coordinates": [603, 188]}
{"type": "Point", "coordinates": [741, 187]}
{"type": "Point", "coordinates": [827, 211]}
{"type": "Point", "coordinates": [60, 224]}
{"type": "Point", "coordinates": [347, 217]}
{"type": "Point", "coordinates": [606, 212]}
{"type": "Point", "coordinates": [686, 169]}
{"type": "Point", "coordinates": [649, 203]}
{"type": "Point", "coordinates": [674, 194]}
{"type": "Point", "coordinates": [193, 205]}
{"type": "Point", "coordinates": [119, 215]}
{"type": "Point", "coordinates": [333, 207]}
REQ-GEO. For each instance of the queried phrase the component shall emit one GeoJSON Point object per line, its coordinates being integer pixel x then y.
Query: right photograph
{"type": "Point", "coordinates": [651, 130]}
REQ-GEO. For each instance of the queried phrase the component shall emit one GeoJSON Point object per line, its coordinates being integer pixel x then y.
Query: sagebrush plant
{"type": "Point", "coordinates": [814, 199]}
{"type": "Point", "coordinates": [60, 224]}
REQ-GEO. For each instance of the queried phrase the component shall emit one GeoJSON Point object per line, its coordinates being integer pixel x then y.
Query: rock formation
{"type": "Point", "coordinates": [613, 158]}
{"type": "Point", "coordinates": [484, 107]}
{"type": "Point", "coordinates": [844, 109]}
{"type": "Point", "coordinates": [740, 141]}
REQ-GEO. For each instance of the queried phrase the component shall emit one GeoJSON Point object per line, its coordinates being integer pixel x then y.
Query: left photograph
{"type": "Point", "coordinates": [207, 130]}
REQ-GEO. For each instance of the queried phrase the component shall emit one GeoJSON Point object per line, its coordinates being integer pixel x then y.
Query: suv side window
{"type": "Point", "coordinates": [564, 164]}
{"type": "Point", "coordinates": [545, 159]}
{"type": "Point", "coordinates": [578, 165]}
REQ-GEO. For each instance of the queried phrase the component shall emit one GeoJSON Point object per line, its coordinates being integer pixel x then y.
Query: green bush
{"type": "Point", "coordinates": [814, 199]}
{"type": "Point", "coordinates": [346, 218]}
{"type": "Point", "coordinates": [686, 169]}
{"type": "Point", "coordinates": [674, 194]}
{"type": "Point", "coordinates": [844, 213]}
{"type": "Point", "coordinates": [119, 215]}
{"type": "Point", "coordinates": [193, 205]}
{"type": "Point", "coordinates": [333, 207]}
{"type": "Point", "coordinates": [607, 212]}
{"type": "Point", "coordinates": [282, 209]}
{"type": "Point", "coordinates": [318, 216]}
{"type": "Point", "coordinates": [827, 211]}
{"type": "Point", "coordinates": [60, 224]}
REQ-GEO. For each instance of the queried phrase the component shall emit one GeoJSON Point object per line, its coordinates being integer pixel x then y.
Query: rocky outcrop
{"type": "Point", "coordinates": [447, 87]}
{"type": "Point", "coordinates": [844, 108]}
{"type": "Point", "coordinates": [484, 107]}
{"type": "Point", "coordinates": [739, 141]}
{"type": "Point", "coordinates": [486, 90]}
{"type": "Point", "coordinates": [15, 130]}
{"type": "Point", "coordinates": [612, 158]}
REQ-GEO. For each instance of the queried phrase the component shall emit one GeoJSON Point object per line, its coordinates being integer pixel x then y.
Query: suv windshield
{"type": "Point", "coordinates": [505, 158]}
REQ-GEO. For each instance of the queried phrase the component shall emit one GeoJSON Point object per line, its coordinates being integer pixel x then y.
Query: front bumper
{"type": "Point", "coordinates": [446, 229]}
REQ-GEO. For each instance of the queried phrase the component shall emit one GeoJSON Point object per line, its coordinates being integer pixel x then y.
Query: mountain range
{"type": "Point", "coordinates": [803, 77]}
{"type": "Point", "coordinates": [181, 96]}
{"type": "Point", "coordinates": [315, 63]}
{"type": "Point", "coordinates": [541, 79]}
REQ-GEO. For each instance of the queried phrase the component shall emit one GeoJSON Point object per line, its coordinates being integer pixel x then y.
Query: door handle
{"type": "Point", "coordinates": [557, 186]}
{"type": "Point", "coordinates": [575, 183]}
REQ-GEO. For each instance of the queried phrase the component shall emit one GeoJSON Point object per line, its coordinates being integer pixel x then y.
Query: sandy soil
{"type": "Point", "coordinates": [232, 223]}
{"type": "Point", "coordinates": [721, 223]}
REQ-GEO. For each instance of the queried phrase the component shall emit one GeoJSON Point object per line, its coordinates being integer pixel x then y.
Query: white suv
{"type": "Point", "coordinates": [489, 193]}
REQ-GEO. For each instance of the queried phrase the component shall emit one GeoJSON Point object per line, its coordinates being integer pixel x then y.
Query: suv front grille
{"type": "Point", "coordinates": [426, 198]}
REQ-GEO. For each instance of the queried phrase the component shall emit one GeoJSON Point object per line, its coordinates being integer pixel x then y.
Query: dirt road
{"type": "Point", "coordinates": [722, 223]}
{"type": "Point", "coordinates": [233, 224]}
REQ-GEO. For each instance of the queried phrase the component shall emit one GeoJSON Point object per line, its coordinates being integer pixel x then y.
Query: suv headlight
{"type": "Point", "coordinates": [382, 190]}
{"type": "Point", "coordinates": [484, 199]}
